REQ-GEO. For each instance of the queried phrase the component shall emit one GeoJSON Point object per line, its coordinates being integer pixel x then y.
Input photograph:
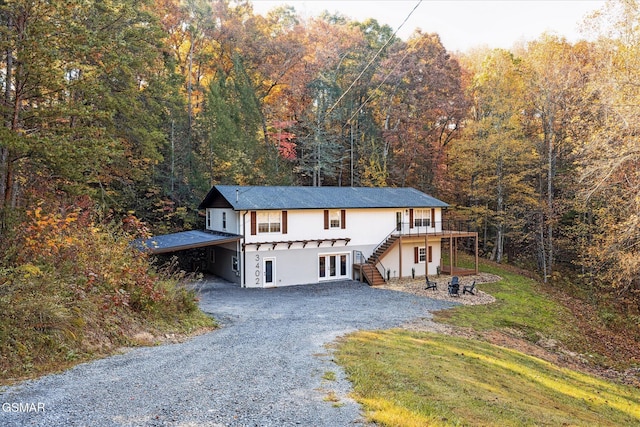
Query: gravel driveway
{"type": "Point", "coordinates": [264, 367]}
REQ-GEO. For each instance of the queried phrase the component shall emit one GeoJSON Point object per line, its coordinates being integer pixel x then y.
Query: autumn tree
{"type": "Point", "coordinates": [610, 166]}
{"type": "Point", "coordinates": [420, 110]}
{"type": "Point", "coordinates": [558, 99]}
{"type": "Point", "coordinates": [322, 149]}
{"type": "Point", "coordinates": [272, 50]}
{"type": "Point", "coordinates": [492, 163]}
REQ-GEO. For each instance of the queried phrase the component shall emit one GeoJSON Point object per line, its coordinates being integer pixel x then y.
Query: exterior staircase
{"type": "Point", "coordinates": [382, 249]}
{"type": "Point", "coordinates": [371, 274]}
{"type": "Point", "coordinates": [370, 270]}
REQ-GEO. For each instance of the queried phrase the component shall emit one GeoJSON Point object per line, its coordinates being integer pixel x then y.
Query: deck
{"type": "Point", "coordinates": [457, 271]}
{"type": "Point", "coordinates": [448, 233]}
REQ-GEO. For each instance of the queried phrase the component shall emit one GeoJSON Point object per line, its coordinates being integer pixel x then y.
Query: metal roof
{"type": "Point", "coordinates": [184, 240]}
{"type": "Point", "coordinates": [275, 198]}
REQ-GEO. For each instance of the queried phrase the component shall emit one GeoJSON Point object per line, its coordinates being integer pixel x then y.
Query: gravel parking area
{"type": "Point", "coordinates": [268, 365]}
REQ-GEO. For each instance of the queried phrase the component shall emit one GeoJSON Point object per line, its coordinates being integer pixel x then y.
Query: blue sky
{"type": "Point", "coordinates": [461, 24]}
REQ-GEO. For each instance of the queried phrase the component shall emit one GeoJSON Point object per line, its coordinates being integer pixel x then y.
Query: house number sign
{"type": "Point", "coordinates": [257, 269]}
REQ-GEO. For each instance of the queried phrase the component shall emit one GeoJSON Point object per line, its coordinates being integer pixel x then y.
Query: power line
{"type": "Point", "coordinates": [335, 104]}
{"type": "Point", "coordinates": [378, 87]}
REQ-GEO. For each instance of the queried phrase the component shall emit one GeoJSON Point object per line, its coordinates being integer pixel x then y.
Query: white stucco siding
{"type": "Point", "coordinates": [362, 226]}
{"type": "Point", "coordinates": [371, 226]}
{"type": "Point", "coordinates": [434, 267]}
{"type": "Point", "coordinates": [306, 224]}
{"type": "Point", "coordinates": [299, 266]}
{"type": "Point", "coordinates": [393, 259]}
{"type": "Point", "coordinates": [220, 219]}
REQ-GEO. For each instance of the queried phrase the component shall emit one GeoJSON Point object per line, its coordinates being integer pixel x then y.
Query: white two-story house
{"type": "Point", "coordinates": [281, 236]}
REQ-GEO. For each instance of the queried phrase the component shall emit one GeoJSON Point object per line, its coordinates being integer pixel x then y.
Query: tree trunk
{"type": "Point", "coordinates": [190, 100]}
{"type": "Point", "coordinates": [551, 169]}
{"type": "Point", "coordinates": [550, 199]}
{"type": "Point", "coordinates": [542, 253]}
{"type": "Point", "coordinates": [498, 248]}
{"type": "Point", "coordinates": [5, 172]}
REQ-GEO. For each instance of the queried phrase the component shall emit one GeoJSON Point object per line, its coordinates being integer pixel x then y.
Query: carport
{"type": "Point", "coordinates": [193, 249]}
{"type": "Point", "coordinates": [183, 240]}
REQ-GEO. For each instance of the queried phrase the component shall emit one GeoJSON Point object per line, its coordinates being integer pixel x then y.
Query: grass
{"type": "Point", "coordinates": [329, 376]}
{"type": "Point", "coordinates": [520, 307]}
{"type": "Point", "coordinates": [407, 378]}
{"type": "Point", "coordinates": [416, 379]}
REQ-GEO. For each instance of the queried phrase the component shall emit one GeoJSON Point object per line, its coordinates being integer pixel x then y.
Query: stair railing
{"type": "Point", "coordinates": [358, 258]}
{"type": "Point", "coordinates": [395, 230]}
{"type": "Point", "coordinates": [376, 259]}
{"type": "Point", "coordinates": [383, 273]}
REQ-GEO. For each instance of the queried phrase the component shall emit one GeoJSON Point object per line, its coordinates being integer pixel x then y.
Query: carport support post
{"type": "Point", "coordinates": [243, 278]}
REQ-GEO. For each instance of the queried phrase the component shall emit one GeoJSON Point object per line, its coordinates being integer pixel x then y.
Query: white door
{"type": "Point", "coordinates": [269, 272]}
{"type": "Point", "coordinates": [333, 266]}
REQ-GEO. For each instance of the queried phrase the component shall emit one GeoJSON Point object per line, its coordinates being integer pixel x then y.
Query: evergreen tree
{"type": "Point", "coordinates": [78, 111]}
{"type": "Point", "coordinates": [229, 129]}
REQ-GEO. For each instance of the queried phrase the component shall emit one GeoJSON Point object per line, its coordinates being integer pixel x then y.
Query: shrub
{"type": "Point", "coordinates": [71, 288]}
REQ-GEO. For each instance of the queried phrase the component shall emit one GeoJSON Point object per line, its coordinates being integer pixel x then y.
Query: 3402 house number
{"type": "Point", "coordinates": [257, 269]}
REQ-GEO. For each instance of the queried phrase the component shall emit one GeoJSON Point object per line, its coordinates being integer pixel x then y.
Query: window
{"type": "Point", "coordinates": [269, 222]}
{"type": "Point", "coordinates": [422, 255]}
{"type": "Point", "coordinates": [333, 266]}
{"type": "Point", "coordinates": [334, 219]}
{"type": "Point", "coordinates": [208, 218]}
{"type": "Point", "coordinates": [421, 218]}
{"type": "Point", "coordinates": [224, 220]}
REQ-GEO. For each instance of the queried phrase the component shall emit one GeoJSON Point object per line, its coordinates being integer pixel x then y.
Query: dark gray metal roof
{"type": "Point", "coordinates": [275, 198]}
{"type": "Point", "coordinates": [183, 240]}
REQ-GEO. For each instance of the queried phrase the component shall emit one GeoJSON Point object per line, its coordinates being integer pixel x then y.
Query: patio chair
{"type": "Point", "coordinates": [431, 285]}
{"type": "Point", "coordinates": [454, 287]}
{"type": "Point", "coordinates": [469, 289]}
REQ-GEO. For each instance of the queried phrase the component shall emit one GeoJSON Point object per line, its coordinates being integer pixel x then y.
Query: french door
{"type": "Point", "coordinates": [333, 266]}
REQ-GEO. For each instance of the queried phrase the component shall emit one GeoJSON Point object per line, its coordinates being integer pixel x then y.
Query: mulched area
{"type": "Point", "coordinates": [417, 286]}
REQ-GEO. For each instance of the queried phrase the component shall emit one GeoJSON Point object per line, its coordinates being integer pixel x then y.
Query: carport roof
{"type": "Point", "coordinates": [184, 240]}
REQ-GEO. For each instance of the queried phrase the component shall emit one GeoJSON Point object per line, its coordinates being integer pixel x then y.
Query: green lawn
{"type": "Point", "coordinates": [519, 307]}
{"type": "Point", "coordinates": [416, 379]}
{"type": "Point", "coordinates": [407, 378]}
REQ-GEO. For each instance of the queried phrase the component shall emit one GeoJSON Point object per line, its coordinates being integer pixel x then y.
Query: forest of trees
{"type": "Point", "coordinates": [142, 105]}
